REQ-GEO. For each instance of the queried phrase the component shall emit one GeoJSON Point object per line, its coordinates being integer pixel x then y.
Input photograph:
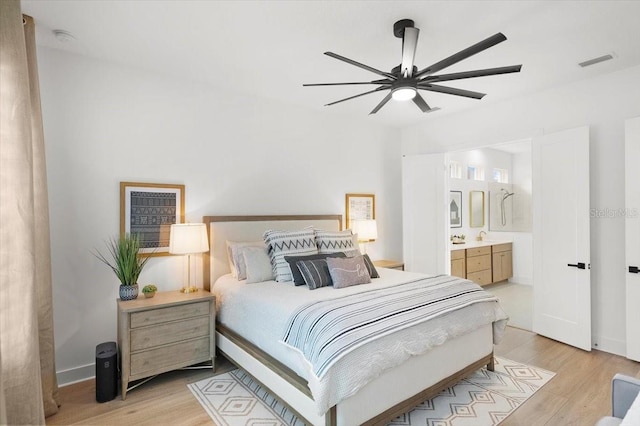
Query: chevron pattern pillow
{"type": "Point", "coordinates": [288, 243]}
{"type": "Point", "coordinates": [336, 241]}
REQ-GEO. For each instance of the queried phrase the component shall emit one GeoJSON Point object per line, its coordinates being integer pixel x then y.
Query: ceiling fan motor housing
{"type": "Point", "coordinates": [398, 27]}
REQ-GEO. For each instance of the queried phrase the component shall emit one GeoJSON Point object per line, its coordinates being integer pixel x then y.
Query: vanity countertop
{"type": "Point", "coordinates": [474, 244]}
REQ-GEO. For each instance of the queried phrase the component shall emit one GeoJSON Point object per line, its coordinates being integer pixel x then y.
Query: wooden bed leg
{"type": "Point", "coordinates": [491, 365]}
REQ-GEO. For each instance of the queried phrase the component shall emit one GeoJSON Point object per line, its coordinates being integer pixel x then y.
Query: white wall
{"type": "Point", "coordinates": [603, 104]}
{"type": "Point", "coordinates": [235, 154]}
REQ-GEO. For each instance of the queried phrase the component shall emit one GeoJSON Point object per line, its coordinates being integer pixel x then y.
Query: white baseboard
{"type": "Point", "coordinates": [616, 347]}
{"type": "Point", "coordinates": [75, 375]}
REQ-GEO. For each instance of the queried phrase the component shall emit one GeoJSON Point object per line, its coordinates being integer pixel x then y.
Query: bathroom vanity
{"type": "Point", "coordinates": [483, 262]}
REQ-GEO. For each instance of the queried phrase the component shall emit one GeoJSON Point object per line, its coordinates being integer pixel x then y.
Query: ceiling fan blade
{"type": "Point", "coordinates": [409, 45]}
{"type": "Point", "coordinates": [463, 54]}
{"type": "Point", "coordinates": [451, 91]}
{"type": "Point", "coordinates": [422, 104]}
{"type": "Point", "coordinates": [381, 104]}
{"type": "Point", "coordinates": [357, 96]}
{"type": "Point", "coordinates": [472, 74]}
{"type": "Point", "coordinates": [358, 64]}
{"type": "Point", "coordinates": [384, 81]}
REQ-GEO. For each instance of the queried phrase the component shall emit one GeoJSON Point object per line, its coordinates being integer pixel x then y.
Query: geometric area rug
{"type": "Point", "coordinates": [485, 398]}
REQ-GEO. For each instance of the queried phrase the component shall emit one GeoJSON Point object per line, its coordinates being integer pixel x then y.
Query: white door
{"type": "Point", "coordinates": [561, 268]}
{"type": "Point", "coordinates": [632, 235]}
{"type": "Point", "coordinates": [424, 214]}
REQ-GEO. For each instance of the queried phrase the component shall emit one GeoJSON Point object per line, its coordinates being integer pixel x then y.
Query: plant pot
{"type": "Point", "coordinates": [128, 292]}
{"type": "Point", "coordinates": [149, 294]}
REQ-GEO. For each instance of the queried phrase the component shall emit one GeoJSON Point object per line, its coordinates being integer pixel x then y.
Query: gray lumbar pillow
{"type": "Point", "coordinates": [348, 271]}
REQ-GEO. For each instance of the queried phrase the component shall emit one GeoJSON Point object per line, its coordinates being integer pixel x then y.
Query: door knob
{"type": "Point", "coordinates": [578, 265]}
{"type": "Point", "coordinates": [634, 270]}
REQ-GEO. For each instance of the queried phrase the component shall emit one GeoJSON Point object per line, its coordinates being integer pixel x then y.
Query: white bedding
{"type": "Point", "coordinates": [259, 312]}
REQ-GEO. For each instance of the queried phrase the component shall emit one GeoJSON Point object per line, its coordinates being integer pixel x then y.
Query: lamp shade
{"type": "Point", "coordinates": [367, 230]}
{"type": "Point", "coordinates": [188, 238]}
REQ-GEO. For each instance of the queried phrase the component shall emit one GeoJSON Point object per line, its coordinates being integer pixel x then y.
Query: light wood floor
{"type": "Point", "coordinates": [579, 394]}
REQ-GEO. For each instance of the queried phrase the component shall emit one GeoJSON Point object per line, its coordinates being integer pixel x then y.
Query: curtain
{"type": "Point", "coordinates": [28, 385]}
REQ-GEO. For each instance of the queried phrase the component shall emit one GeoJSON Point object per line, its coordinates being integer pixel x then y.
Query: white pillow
{"type": "Point", "coordinates": [336, 241]}
{"type": "Point", "coordinates": [258, 264]}
{"type": "Point", "coordinates": [288, 243]}
{"type": "Point", "coordinates": [236, 260]}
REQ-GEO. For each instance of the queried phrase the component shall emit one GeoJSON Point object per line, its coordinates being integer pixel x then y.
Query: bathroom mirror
{"type": "Point", "coordinates": [476, 206]}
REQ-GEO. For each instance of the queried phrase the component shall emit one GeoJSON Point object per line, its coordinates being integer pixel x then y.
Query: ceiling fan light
{"type": "Point", "coordinates": [403, 94]}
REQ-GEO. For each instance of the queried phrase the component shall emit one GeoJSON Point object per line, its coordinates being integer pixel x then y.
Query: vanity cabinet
{"type": "Point", "coordinates": [483, 265]}
{"type": "Point", "coordinates": [458, 263]}
{"type": "Point", "coordinates": [502, 258]}
{"type": "Point", "coordinates": [479, 265]}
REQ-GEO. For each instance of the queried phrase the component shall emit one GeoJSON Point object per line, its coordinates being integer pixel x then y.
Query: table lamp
{"type": "Point", "coordinates": [367, 231]}
{"type": "Point", "coordinates": [188, 238]}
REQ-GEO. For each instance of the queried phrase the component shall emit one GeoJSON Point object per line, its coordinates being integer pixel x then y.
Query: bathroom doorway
{"type": "Point", "coordinates": [494, 185]}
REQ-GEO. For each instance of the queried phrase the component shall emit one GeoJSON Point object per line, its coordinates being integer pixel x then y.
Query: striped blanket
{"type": "Point", "coordinates": [325, 331]}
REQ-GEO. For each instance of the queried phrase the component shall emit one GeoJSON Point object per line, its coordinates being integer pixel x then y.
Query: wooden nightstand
{"type": "Point", "coordinates": [391, 264]}
{"type": "Point", "coordinates": [168, 331]}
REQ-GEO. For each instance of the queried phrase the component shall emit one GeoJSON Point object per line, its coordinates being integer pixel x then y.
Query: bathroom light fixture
{"type": "Point", "coordinates": [188, 238]}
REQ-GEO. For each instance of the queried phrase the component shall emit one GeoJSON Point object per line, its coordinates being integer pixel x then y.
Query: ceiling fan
{"type": "Point", "coordinates": [404, 81]}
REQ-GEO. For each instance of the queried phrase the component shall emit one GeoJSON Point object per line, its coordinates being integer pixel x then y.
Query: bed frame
{"type": "Point", "coordinates": [393, 393]}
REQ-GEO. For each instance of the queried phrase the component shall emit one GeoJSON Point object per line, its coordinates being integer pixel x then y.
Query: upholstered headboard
{"type": "Point", "coordinates": [251, 228]}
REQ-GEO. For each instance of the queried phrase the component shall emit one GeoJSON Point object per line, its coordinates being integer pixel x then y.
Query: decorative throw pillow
{"type": "Point", "coordinates": [348, 271]}
{"type": "Point", "coordinates": [373, 273]}
{"type": "Point", "coordinates": [236, 260]}
{"type": "Point", "coordinates": [295, 272]}
{"type": "Point", "coordinates": [288, 243]}
{"type": "Point", "coordinates": [335, 241]}
{"type": "Point", "coordinates": [258, 264]}
{"type": "Point", "coordinates": [315, 273]}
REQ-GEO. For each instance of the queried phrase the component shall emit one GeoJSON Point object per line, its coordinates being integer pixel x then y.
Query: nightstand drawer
{"type": "Point", "coordinates": [176, 331]}
{"type": "Point", "coordinates": [155, 316]}
{"type": "Point", "coordinates": [482, 277]}
{"type": "Point", "coordinates": [180, 354]}
{"type": "Point", "coordinates": [479, 263]}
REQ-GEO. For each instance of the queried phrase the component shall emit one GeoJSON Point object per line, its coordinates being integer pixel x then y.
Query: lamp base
{"type": "Point", "coordinates": [189, 289]}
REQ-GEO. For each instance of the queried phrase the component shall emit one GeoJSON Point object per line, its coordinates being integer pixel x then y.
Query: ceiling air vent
{"type": "Point", "coordinates": [595, 60]}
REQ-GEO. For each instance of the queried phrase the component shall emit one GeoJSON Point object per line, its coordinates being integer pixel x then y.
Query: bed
{"type": "Point", "coordinates": [384, 394]}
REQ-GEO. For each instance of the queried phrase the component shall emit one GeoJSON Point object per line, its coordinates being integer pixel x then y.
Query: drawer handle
{"type": "Point", "coordinates": [634, 270]}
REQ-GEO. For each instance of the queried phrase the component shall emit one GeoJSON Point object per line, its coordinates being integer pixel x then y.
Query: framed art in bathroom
{"type": "Point", "coordinates": [455, 209]}
{"type": "Point", "coordinates": [149, 210]}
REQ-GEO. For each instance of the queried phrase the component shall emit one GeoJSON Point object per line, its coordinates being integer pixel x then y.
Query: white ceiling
{"type": "Point", "coordinates": [269, 48]}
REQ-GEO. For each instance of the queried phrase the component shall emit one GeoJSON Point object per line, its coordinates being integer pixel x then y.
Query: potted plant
{"type": "Point", "coordinates": [149, 290]}
{"type": "Point", "coordinates": [125, 262]}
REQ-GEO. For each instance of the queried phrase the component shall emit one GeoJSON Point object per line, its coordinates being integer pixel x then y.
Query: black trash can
{"type": "Point", "coordinates": [106, 371]}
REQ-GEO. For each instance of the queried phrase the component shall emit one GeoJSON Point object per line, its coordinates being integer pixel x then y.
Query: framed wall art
{"type": "Point", "coordinates": [360, 207]}
{"type": "Point", "coordinates": [149, 210]}
{"type": "Point", "coordinates": [455, 209]}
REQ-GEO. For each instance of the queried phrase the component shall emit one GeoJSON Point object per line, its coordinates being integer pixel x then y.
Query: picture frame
{"type": "Point", "coordinates": [455, 209]}
{"type": "Point", "coordinates": [359, 207]}
{"type": "Point", "coordinates": [149, 210]}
